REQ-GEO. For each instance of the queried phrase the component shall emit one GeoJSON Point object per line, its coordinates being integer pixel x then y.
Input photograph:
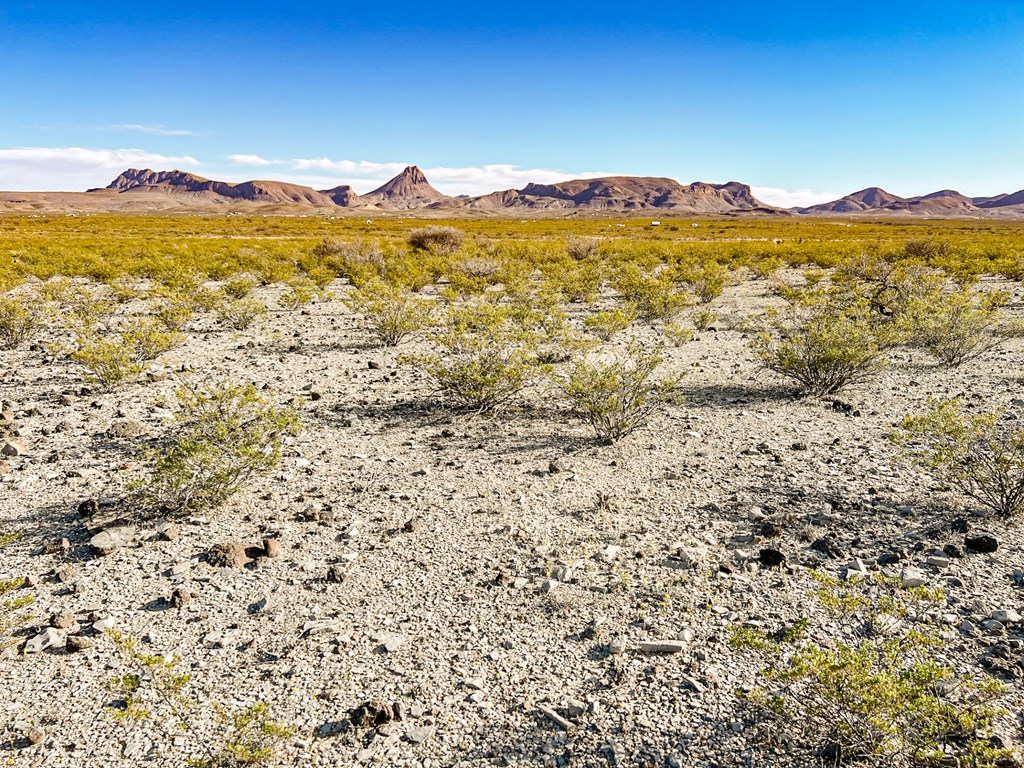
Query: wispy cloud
{"type": "Point", "coordinates": [76, 168]}
{"type": "Point", "coordinates": [254, 161]}
{"type": "Point", "coordinates": [154, 130]}
{"type": "Point", "coordinates": [792, 198]}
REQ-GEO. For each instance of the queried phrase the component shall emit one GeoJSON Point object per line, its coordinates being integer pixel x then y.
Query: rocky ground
{"type": "Point", "coordinates": [513, 592]}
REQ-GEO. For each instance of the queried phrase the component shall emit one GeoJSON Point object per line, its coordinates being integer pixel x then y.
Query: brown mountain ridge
{"type": "Point", "coordinates": [176, 190]}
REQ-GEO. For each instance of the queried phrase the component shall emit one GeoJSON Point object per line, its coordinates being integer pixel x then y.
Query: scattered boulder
{"type": "Point", "coordinates": [912, 577]}
{"type": "Point", "coordinates": [48, 638]}
{"type": "Point", "coordinates": [272, 548]}
{"type": "Point", "coordinates": [181, 597]}
{"type": "Point", "coordinates": [76, 643]}
{"type": "Point", "coordinates": [89, 508]}
{"type": "Point", "coordinates": [372, 714]}
{"type": "Point", "coordinates": [12, 448]}
{"type": "Point", "coordinates": [771, 558]}
{"type": "Point", "coordinates": [232, 554]}
{"type": "Point", "coordinates": [981, 544]}
{"type": "Point", "coordinates": [112, 539]}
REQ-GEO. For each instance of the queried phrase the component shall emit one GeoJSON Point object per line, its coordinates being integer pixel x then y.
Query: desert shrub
{"type": "Point", "coordinates": [83, 304]}
{"type": "Point", "coordinates": [239, 314]}
{"type": "Point", "coordinates": [124, 290]}
{"type": "Point", "coordinates": [655, 296]}
{"type": "Point", "coordinates": [956, 326]}
{"type": "Point", "coordinates": [982, 455]}
{"type": "Point", "coordinates": [676, 333]}
{"type": "Point", "coordinates": [706, 281]}
{"type": "Point", "coordinates": [486, 356]}
{"type": "Point", "coordinates": [108, 361]}
{"type": "Point", "coordinates": [21, 315]}
{"type": "Point", "coordinates": [153, 689]}
{"type": "Point", "coordinates": [299, 292]}
{"type": "Point", "coordinates": [577, 282]}
{"type": "Point", "coordinates": [146, 340]}
{"type": "Point", "coordinates": [703, 318]}
{"type": "Point", "coordinates": [606, 323]}
{"type": "Point", "coordinates": [822, 343]}
{"type": "Point", "coordinates": [13, 609]}
{"type": "Point", "coordinates": [616, 393]}
{"type": "Point", "coordinates": [876, 695]}
{"type": "Point", "coordinates": [438, 240]}
{"type": "Point", "coordinates": [582, 248]}
{"type": "Point", "coordinates": [239, 287]}
{"type": "Point", "coordinates": [225, 435]}
{"type": "Point", "coordinates": [393, 314]}
{"type": "Point", "coordinates": [887, 285]}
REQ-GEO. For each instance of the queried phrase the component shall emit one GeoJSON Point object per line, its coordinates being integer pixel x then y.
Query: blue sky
{"type": "Point", "coordinates": [803, 101]}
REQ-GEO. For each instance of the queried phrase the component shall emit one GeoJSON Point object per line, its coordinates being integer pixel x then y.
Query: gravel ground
{"type": "Point", "coordinates": [491, 575]}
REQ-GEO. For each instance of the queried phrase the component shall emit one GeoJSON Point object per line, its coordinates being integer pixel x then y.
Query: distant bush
{"type": "Point", "coordinates": [606, 323]}
{"type": "Point", "coordinates": [582, 248]}
{"type": "Point", "coordinates": [438, 240]}
{"type": "Point", "coordinates": [982, 455]}
{"type": "Point", "coordinates": [676, 333]}
{"type": "Point", "coordinates": [299, 292]}
{"type": "Point", "coordinates": [655, 297]}
{"type": "Point", "coordinates": [21, 315]}
{"type": "Point", "coordinates": [107, 360]}
{"type": "Point", "coordinates": [225, 435]}
{"type": "Point", "coordinates": [616, 393]}
{"type": "Point", "coordinates": [240, 314]}
{"type": "Point", "coordinates": [239, 287]}
{"type": "Point", "coordinates": [876, 693]}
{"type": "Point", "coordinates": [888, 286]}
{"type": "Point", "coordinates": [393, 314]}
{"type": "Point", "coordinates": [706, 281]}
{"type": "Point", "coordinates": [823, 343]}
{"type": "Point", "coordinates": [956, 326]}
{"type": "Point", "coordinates": [703, 318]}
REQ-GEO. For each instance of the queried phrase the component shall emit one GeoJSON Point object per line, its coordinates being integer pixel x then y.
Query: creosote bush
{"type": "Point", "coordinates": [957, 326]}
{"type": "Point", "coordinates": [608, 322]}
{"type": "Point", "coordinates": [616, 393]}
{"type": "Point", "coordinates": [877, 694]}
{"type": "Point", "coordinates": [654, 296]}
{"type": "Point", "coordinates": [824, 343]}
{"type": "Point", "coordinates": [107, 360]}
{"type": "Point", "coordinates": [982, 454]}
{"type": "Point", "coordinates": [487, 354]}
{"type": "Point", "coordinates": [226, 435]}
{"type": "Point", "coordinates": [153, 689]}
{"type": "Point", "coordinates": [394, 314]}
{"type": "Point", "coordinates": [438, 240]}
{"type": "Point", "coordinates": [21, 315]}
{"type": "Point", "coordinates": [240, 314]}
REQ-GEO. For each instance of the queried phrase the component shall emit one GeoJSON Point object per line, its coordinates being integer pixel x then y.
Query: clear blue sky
{"type": "Point", "coordinates": [820, 97]}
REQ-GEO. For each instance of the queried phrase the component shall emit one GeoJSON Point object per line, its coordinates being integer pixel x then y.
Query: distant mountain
{"type": "Point", "coordinates": [148, 181]}
{"type": "Point", "coordinates": [944, 203]}
{"type": "Point", "coordinates": [149, 190]}
{"type": "Point", "coordinates": [409, 189]}
{"type": "Point", "coordinates": [627, 193]}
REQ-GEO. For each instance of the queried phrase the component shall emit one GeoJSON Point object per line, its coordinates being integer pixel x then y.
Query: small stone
{"type": "Point", "coordinates": [663, 646]}
{"type": "Point", "coordinates": [911, 577]}
{"type": "Point", "coordinates": [371, 714]}
{"type": "Point", "coordinates": [76, 643]}
{"type": "Point", "coordinates": [169, 531]}
{"type": "Point", "coordinates": [412, 525]}
{"type": "Point", "coordinates": [938, 561]}
{"type": "Point", "coordinates": [103, 625]}
{"type": "Point", "coordinates": [229, 555]}
{"type": "Point", "coordinates": [420, 734]}
{"type": "Point", "coordinates": [35, 735]}
{"type": "Point", "coordinates": [66, 574]}
{"type": "Point", "coordinates": [771, 558]}
{"type": "Point", "coordinates": [393, 643]}
{"type": "Point", "coordinates": [48, 638]}
{"type": "Point", "coordinates": [617, 645]}
{"type": "Point", "coordinates": [63, 620]}
{"type": "Point", "coordinates": [993, 627]}
{"type": "Point", "coordinates": [272, 547]}
{"type": "Point", "coordinates": [982, 544]}
{"type": "Point", "coordinates": [181, 597]}
{"type": "Point", "coordinates": [89, 508]}
{"type": "Point", "coordinates": [1008, 616]}
{"type": "Point", "coordinates": [12, 448]}
{"type": "Point", "coordinates": [555, 466]}
{"type": "Point", "coordinates": [111, 539]}
{"type": "Point", "coordinates": [556, 718]}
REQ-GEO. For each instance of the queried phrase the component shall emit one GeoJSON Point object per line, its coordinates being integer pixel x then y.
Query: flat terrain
{"type": "Point", "coordinates": [478, 570]}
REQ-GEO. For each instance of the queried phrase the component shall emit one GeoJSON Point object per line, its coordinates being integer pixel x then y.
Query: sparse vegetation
{"type": "Point", "coordinates": [617, 393]}
{"type": "Point", "coordinates": [21, 316]}
{"type": "Point", "coordinates": [224, 435]}
{"type": "Point", "coordinates": [438, 240]}
{"type": "Point", "coordinates": [393, 314]}
{"type": "Point", "coordinates": [981, 454]}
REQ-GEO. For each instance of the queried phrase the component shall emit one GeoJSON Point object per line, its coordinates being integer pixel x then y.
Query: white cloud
{"type": "Point", "coordinates": [795, 198]}
{"type": "Point", "coordinates": [76, 168]}
{"type": "Point", "coordinates": [251, 160]}
{"type": "Point", "coordinates": [364, 175]}
{"type": "Point", "coordinates": [154, 130]}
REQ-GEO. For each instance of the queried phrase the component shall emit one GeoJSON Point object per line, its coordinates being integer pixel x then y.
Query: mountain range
{"type": "Point", "coordinates": [148, 190]}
